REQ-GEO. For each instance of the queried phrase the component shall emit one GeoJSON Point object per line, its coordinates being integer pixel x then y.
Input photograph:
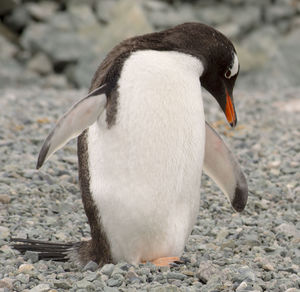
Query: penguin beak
{"type": "Point", "coordinates": [230, 110]}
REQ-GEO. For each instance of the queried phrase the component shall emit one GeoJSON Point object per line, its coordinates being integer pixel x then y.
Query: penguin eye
{"type": "Point", "coordinates": [228, 74]}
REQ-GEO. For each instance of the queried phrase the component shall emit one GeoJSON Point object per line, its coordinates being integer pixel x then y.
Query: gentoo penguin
{"type": "Point", "coordinates": [143, 142]}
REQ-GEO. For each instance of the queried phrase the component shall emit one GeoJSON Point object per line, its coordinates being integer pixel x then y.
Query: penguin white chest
{"type": "Point", "coordinates": [145, 170]}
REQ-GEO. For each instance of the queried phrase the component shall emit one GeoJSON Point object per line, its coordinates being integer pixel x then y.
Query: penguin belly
{"type": "Point", "coordinates": [145, 169]}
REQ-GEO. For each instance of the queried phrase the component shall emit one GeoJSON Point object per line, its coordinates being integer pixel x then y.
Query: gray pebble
{"type": "Point", "coordinates": [115, 281]}
{"type": "Point", "coordinates": [107, 269]}
{"type": "Point", "coordinates": [91, 266]}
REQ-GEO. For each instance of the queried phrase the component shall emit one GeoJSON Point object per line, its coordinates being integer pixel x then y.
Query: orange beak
{"type": "Point", "coordinates": [230, 111]}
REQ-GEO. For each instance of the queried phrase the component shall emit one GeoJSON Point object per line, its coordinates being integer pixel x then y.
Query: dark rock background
{"type": "Point", "coordinates": [60, 43]}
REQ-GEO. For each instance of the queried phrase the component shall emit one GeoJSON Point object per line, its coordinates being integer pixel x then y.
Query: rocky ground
{"type": "Point", "coordinates": [60, 43]}
{"type": "Point", "coordinates": [50, 49]}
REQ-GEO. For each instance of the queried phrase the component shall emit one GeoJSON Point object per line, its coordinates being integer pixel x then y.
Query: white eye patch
{"type": "Point", "coordinates": [234, 68]}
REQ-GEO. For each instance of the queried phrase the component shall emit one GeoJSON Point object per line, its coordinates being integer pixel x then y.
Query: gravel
{"type": "Point", "coordinates": [257, 250]}
{"type": "Point", "coordinates": [65, 37]}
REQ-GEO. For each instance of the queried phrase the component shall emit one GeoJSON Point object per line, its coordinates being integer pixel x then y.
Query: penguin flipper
{"type": "Point", "coordinates": [78, 118]}
{"type": "Point", "coordinates": [222, 167]}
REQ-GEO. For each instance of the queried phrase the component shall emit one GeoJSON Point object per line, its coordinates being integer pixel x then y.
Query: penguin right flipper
{"type": "Point", "coordinates": [78, 118]}
{"type": "Point", "coordinates": [222, 167]}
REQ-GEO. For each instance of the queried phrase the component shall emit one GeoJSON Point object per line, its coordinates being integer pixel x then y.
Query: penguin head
{"type": "Point", "coordinates": [219, 76]}
{"type": "Point", "coordinates": [218, 56]}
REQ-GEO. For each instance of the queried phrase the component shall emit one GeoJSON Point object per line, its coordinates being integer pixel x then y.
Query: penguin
{"type": "Point", "coordinates": [142, 145]}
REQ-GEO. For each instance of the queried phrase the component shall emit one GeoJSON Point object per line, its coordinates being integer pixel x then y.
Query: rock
{"type": "Point", "coordinates": [43, 10]}
{"type": "Point", "coordinates": [214, 15]}
{"type": "Point", "coordinates": [62, 284]}
{"type": "Point", "coordinates": [23, 278]}
{"type": "Point", "coordinates": [84, 284]}
{"type": "Point", "coordinates": [115, 281]}
{"type": "Point", "coordinates": [288, 229]}
{"type": "Point", "coordinates": [6, 283]}
{"type": "Point", "coordinates": [61, 46]}
{"type": "Point", "coordinates": [267, 267]}
{"type": "Point", "coordinates": [245, 274]}
{"type": "Point", "coordinates": [176, 276]}
{"type": "Point", "coordinates": [290, 56]}
{"type": "Point", "coordinates": [83, 17]}
{"type": "Point", "coordinates": [7, 5]}
{"type": "Point", "coordinates": [132, 277]}
{"type": "Point", "coordinates": [5, 199]}
{"type": "Point", "coordinates": [25, 268]}
{"type": "Point", "coordinates": [230, 29]}
{"type": "Point", "coordinates": [32, 255]}
{"type": "Point", "coordinates": [8, 50]}
{"type": "Point", "coordinates": [275, 13]}
{"type": "Point", "coordinates": [40, 288]}
{"type": "Point", "coordinates": [104, 10]}
{"type": "Point", "coordinates": [40, 63]}
{"type": "Point", "coordinates": [90, 266]}
{"type": "Point", "coordinates": [169, 288]}
{"type": "Point", "coordinates": [81, 74]}
{"type": "Point", "coordinates": [4, 232]}
{"type": "Point", "coordinates": [92, 276]}
{"type": "Point", "coordinates": [129, 20]}
{"type": "Point", "coordinates": [107, 269]}
{"type": "Point", "coordinates": [57, 81]}
{"type": "Point", "coordinates": [251, 239]}
{"type": "Point", "coordinates": [241, 287]}
{"type": "Point", "coordinates": [165, 18]}
{"type": "Point", "coordinates": [246, 21]}
{"type": "Point", "coordinates": [206, 271]}
{"type": "Point", "coordinates": [19, 18]}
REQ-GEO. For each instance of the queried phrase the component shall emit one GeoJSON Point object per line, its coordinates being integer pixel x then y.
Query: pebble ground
{"type": "Point", "coordinates": [257, 250]}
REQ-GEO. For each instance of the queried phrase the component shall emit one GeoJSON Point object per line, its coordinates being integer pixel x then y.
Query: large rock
{"type": "Point", "coordinates": [81, 74]}
{"type": "Point", "coordinates": [7, 49]}
{"type": "Point", "coordinates": [59, 46]}
{"type": "Point", "coordinates": [129, 20]}
{"type": "Point", "coordinates": [166, 16]}
{"type": "Point", "coordinates": [104, 10]}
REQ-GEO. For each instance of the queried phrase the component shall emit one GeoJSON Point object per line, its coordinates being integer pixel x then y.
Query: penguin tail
{"type": "Point", "coordinates": [46, 250]}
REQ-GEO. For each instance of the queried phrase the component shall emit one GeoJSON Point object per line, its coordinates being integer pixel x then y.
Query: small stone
{"type": "Point", "coordinates": [91, 266]}
{"type": "Point", "coordinates": [41, 64]}
{"type": "Point", "coordinates": [5, 199]}
{"type": "Point", "coordinates": [107, 269]}
{"type": "Point", "coordinates": [23, 278]}
{"type": "Point", "coordinates": [25, 268]}
{"type": "Point", "coordinates": [229, 243]}
{"type": "Point", "coordinates": [42, 10]}
{"type": "Point", "coordinates": [241, 287]}
{"type": "Point", "coordinates": [268, 267]}
{"type": "Point", "coordinates": [84, 284]}
{"type": "Point", "coordinates": [104, 9]}
{"type": "Point", "coordinates": [176, 276]}
{"type": "Point", "coordinates": [4, 232]}
{"type": "Point", "coordinates": [206, 271]}
{"type": "Point", "coordinates": [115, 281]}
{"type": "Point", "coordinates": [222, 234]}
{"type": "Point", "coordinates": [288, 229]}
{"type": "Point", "coordinates": [40, 288]}
{"type": "Point", "coordinates": [32, 255]}
{"type": "Point", "coordinates": [92, 276]}
{"type": "Point", "coordinates": [63, 284]}
{"type": "Point", "coordinates": [6, 283]}
{"type": "Point", "coordinates": [246, 274]}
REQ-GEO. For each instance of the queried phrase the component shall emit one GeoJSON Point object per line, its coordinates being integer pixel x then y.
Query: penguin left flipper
{"type": "Point", "coordinates": [78, 118]}
{"type": "Point", "coordinates": [222, 167]}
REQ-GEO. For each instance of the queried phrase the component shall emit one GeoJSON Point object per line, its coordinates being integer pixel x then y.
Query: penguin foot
{"type": "Point", "coordinates": [165, 262]}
